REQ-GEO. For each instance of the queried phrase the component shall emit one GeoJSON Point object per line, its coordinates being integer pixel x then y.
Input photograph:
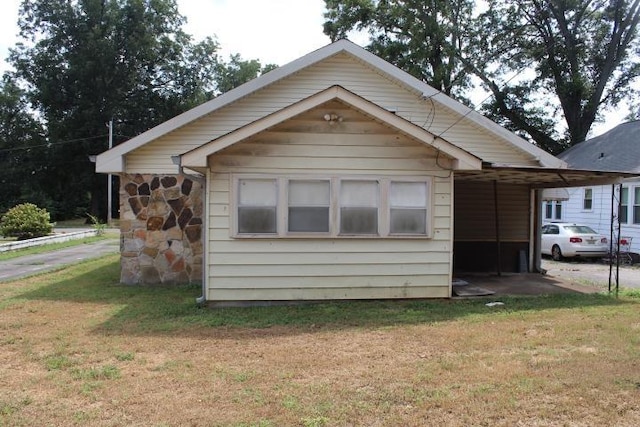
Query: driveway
{"type": "Point", "coordinates": [29, 265]}
{"type": "Point", "coordinates": [592, 273]}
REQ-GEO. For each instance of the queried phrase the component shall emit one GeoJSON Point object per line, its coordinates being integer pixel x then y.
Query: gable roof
{"type": "Point", "coordinates": [198, 157]}
{"type": "Point", "coordinates": [615, 150]}
{"type": "Point", "coordinates": [113, 159]}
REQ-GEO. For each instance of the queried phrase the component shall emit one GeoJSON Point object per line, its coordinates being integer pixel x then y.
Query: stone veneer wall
{"type": "Point", "coordinates": [161, 229]}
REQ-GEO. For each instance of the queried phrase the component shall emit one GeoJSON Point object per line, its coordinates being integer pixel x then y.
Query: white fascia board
{"type": "Point", "coordinates": [109, 164]}
{"type": "Point", "coordinates": [197, 158]}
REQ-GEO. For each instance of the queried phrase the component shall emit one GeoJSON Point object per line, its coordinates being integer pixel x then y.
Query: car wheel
{"type": "Point", "coordinates": [556, 253]}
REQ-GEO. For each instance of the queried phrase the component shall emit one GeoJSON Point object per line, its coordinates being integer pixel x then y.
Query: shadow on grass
{"type": "Point", "coordinates": [139, 310]}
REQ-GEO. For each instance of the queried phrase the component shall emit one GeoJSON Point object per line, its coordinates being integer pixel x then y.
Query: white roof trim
{"type": "Point", "coordinates": [197, 158]}
{"type": "Point", "coordinates": [110, 157]}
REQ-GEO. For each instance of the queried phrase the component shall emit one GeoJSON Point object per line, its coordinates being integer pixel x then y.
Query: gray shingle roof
{"type": "Point", "coordinates": [616, 150]}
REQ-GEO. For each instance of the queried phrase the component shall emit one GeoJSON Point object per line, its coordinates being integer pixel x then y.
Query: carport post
{"type": "Point", "coordinates": [498, 242]}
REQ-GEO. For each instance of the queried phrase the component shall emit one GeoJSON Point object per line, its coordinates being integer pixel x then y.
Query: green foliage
{"type": "Point", "coordinates": [98, 225]}
{"type": "Point", "coordinates": [548, 65]}
{"type": "Point", "coordinates": [85, 63]}
{"type": "Point", "coordinates": [421, 37]}
{"type": "Point", "coordinates": [26, 221]}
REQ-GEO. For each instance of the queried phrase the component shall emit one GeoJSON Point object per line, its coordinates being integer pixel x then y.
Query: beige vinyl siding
{"type": "Point", "coordinates": [475, 212]}
{"type": "Point", "coordinates": [324, 267]}
{"type": "Point", "coordinates": [342, 69]}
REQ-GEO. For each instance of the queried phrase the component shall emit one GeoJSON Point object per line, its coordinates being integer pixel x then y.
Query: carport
{"type": "Point", "coordinates": [498, 214]}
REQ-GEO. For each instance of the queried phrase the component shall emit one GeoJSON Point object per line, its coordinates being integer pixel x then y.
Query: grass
{"type": "Point", "coordinates": [80, 349]}
{"type": "Point", "coordinates": [34, 250]}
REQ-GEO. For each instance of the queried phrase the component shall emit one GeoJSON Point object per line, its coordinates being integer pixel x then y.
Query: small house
{"type": "Point", "coordinates": [336, 176]}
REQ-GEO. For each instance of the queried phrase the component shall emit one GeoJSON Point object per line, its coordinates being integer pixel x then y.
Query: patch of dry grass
{"type": "Point", "coordinates": [77, 349]}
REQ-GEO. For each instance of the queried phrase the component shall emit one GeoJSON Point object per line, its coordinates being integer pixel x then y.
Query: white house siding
{"type": "Point", "coordinates": [599, 217]}
{"type": "Point", "coordinates": [327, 268]}
{"type": "Point", "coordinates": [354, 76]}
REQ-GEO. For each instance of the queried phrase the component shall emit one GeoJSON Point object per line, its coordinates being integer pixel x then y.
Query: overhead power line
{"type": "Point", "coordinates": [52, 144]}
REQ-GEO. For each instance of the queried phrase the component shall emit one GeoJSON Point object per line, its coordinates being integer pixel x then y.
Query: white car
{"type": "Point", "coordinates": [566, 240]}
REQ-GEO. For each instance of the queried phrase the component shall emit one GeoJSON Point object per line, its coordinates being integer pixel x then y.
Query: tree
{"type": "Point", "coordinates": [580, 56]}
{"type": "Point", "coordinates": [422, 37]}
{"type": "Point", "coordinates": [86, 62]}
{"type": "Point", "coordinates": [543, 61]}
{"type": "Point", "coordinates": [22, 150]}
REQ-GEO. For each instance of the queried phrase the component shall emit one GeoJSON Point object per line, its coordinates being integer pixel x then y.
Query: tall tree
{"type": "Point", "coordinates": [86, 62]}
{"type": "Point", "coordinates": [422, 37]}
{"type": "Point", "coordinates": [22, 150]}
{"type": "Point", "coordinates": [570, 59]}
{"type": "Point", "coordinates": [549, 64]}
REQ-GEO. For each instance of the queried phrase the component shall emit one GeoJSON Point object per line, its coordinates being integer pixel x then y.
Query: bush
{"type": "Point", "coordinates": [25, 221]}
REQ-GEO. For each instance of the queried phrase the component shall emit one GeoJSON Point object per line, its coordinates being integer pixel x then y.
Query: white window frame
{"type": "Point", "coordinates": [635, 219]}
{"type": "Point", "coordinates": [624, 207]}
{"type": "Point", "coordinates": [282, 208]}
{"type": "Point", "coordinates": [553, 210]}
{"type": "Point", "coordinates": [585, 198]}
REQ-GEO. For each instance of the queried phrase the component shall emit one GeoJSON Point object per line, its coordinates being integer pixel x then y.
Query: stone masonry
{"type": "Point", "coordinates": [161, 220]}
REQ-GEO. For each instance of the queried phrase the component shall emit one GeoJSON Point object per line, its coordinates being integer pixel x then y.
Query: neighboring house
{"type": "Point", "coordinates": [615, 150]}
{"type": "Point", "coordinates": [335, 176]}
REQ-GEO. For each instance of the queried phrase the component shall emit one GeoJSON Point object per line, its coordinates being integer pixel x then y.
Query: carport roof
{"type": "Point", "coordinates": [537, 177]}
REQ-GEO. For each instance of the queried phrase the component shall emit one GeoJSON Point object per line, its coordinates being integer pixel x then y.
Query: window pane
{"type": "Point", "coordinates": [359, 220]}
{"type": "Point", "coordinates": [558, 210]}
{"type": "Point", "coordinates": [308, 193]}
{"type": "Point", "coordinates": [408, 194]}
{"type": "Point", "coordinates": [624, 205]}
{"type": "Point", "coordinates": [310, 219]}
{"type": "Point", "coordinates": [588, 202]}
{"type": "Point", "coordinates": [359, 193]}
{"type": "Point", "coordinates": [257, 192]}
{"type": "Point", "coordinates": [256, 219]}
{"type": "Point", "coordinates": [548, 208]}
{"type": "Point", "coordinates": [409, 221]}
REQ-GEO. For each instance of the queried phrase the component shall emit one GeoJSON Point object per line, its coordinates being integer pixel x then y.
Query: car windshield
{"type": "Point", "coordinates": [580, 229]}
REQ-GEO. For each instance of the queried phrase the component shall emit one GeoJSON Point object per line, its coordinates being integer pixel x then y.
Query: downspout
{"type": "Point", "coordinates": [177, 160]}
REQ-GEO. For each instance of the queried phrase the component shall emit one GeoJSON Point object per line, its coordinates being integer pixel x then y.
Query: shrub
{"type": "Point", "coordinates": [25, 221]}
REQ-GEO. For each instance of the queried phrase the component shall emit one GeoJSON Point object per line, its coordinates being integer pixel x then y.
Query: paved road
{"type": "Point", "coordinates": [29, 265]}
{"type": "Point", "coordinates": [593, 273]}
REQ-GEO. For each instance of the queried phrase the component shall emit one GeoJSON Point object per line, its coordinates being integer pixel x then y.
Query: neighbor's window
{"type": "Point", "coordinates": [553, 210]}
{"type": "Point", "coordinates": [587, 202]}
{"type": "Point", "coordinates": [309, 202]}
{"type": "Point", "coordinates": [257, 206]}
{"type": "Point", "coordinates": [623, 213]}
{"type": "Point", "coordinates": [408, 208]}
{"type": "Point", "coordinates": [636, 205]}
{"type": "Point", "coordinates": [558, 213]}
{"type": "Point", "coordinates": [359, 207]}
{"type": "Point", "coordinates": [548, 210]}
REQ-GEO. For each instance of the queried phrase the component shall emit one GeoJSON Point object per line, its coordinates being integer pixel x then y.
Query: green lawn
{"type": "Point", "coordinates": [81, 349]}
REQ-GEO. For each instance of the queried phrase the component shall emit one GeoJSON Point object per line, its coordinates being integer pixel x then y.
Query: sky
{"type": "Point", "coordinates": [272, 31]}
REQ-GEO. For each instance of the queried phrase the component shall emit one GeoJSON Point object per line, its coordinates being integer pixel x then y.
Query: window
{"type": "Point", "coordinates": [408, 208]}
{"type": "Point", "coordinates": [623, 214]}
{"type": "Point", "coordinates": [587, 201]}
{"type": "Point", "coordinates": [331, 207]}
{"type": "Point", "coordinates": [553, 210]}
{"type": "Point", "coordinates": [636, 205]}
{"type": "Point", "coordinates": [558, 214]}
{"type": "Point", "coordinates": [548, 210]}
{"type": "Point", "coordinates": [309, 203]}
{"type": "Point", "coordinates": [257, 206]}
{"type": "Point", "coordinates": [359, 207]}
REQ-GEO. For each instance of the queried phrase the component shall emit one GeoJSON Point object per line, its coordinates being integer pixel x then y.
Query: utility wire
{"type": "Point", "coordinates": [50, 144]}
